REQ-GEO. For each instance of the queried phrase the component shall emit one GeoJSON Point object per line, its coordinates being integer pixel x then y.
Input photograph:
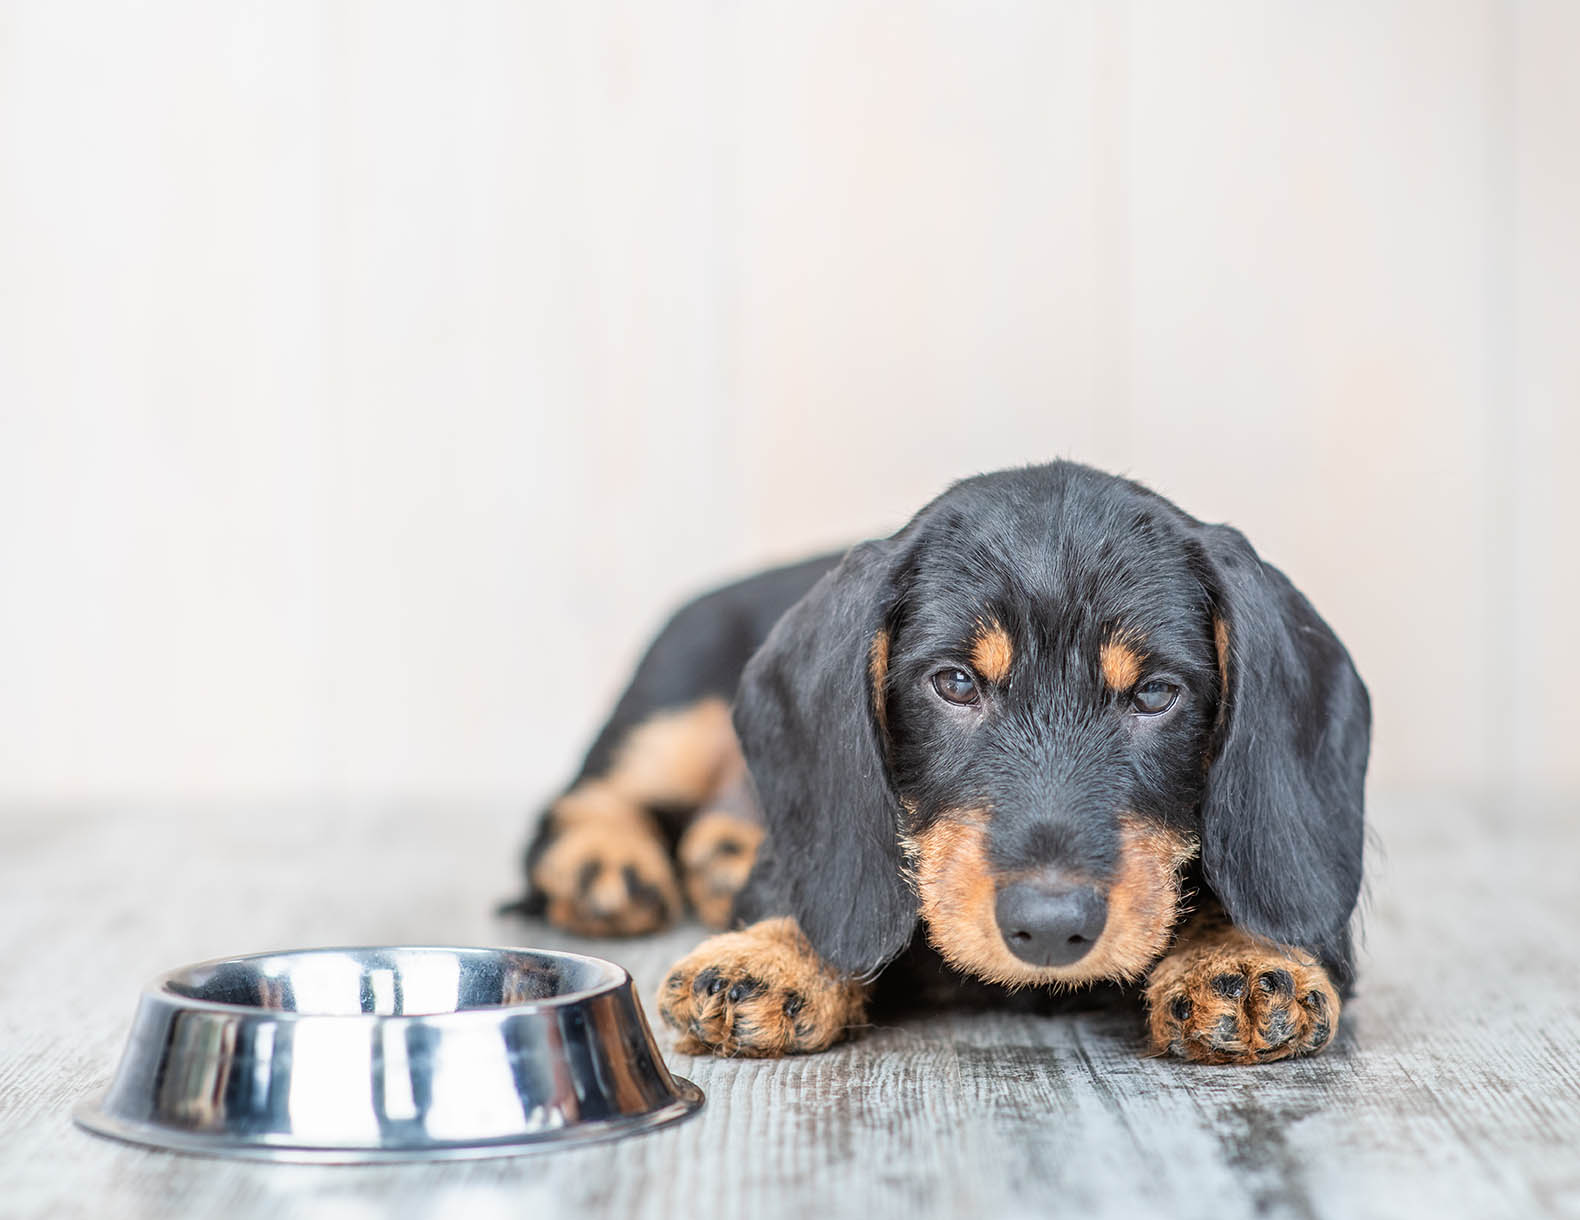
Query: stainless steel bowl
{"type": "Point", "coordinates": [380, 1054]}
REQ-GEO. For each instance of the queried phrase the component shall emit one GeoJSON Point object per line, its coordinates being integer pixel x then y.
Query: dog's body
{"type": "Point", "coordinates": [1003, 747]}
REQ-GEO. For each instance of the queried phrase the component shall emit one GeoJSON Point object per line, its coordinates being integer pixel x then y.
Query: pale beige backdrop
{"type": "Point", "coordinates": [374, 377]}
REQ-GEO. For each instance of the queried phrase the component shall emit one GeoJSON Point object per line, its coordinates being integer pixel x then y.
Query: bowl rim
{"type": "Point", "coordinates": [158, 988]}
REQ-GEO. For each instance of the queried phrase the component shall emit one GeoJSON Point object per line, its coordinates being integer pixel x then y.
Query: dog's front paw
{"type": "Point", "coordinates": [761, 992]}
{"type": "Point", "coordinates": [716, 854]}
{"type": "Point", "coordinates": [607, 878]}
{"type": "Point", "coordinates": [1240, 1002]}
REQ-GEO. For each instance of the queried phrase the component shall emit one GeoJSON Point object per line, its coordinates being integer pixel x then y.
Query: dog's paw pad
{"type": "Point", "coordinates": [759, 993]}
{"type": "Point", "coordinates": [1254, 1006]}
{"type": "Point", "coordinates": [607, 879]}
{"type": "Point", "coordinates": [716, 854]}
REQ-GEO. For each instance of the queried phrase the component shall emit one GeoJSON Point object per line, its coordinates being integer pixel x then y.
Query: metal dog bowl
{"type": "Point", "coordinates": [383, 1054]}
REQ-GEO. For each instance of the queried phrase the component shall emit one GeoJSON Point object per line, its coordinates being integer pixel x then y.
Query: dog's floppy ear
{"type": "Point", "coordinates": [1282, 815]}
{"type": "Point", "coordinates": [808, 715]}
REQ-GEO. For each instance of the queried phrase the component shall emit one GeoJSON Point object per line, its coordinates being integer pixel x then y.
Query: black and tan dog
{"type": "Point", "coordinates": [1053, 731]}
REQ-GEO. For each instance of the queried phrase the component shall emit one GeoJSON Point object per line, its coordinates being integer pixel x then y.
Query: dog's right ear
{"type": "Point", "coordinates": [808, 713]}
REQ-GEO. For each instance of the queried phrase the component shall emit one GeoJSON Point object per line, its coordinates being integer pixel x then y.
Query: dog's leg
{"type": "Point", "coordinates": [601, 864]}
{"type": "Point", "coordinates": [760, 992]}
{"type": "Point", "coordinates": [718, 847]}
{"type": "Point", "coordinates": [1222, 995]}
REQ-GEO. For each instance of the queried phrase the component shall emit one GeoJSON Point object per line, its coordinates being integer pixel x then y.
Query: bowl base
{"type": "Point", "coordinates": [91, 1117]}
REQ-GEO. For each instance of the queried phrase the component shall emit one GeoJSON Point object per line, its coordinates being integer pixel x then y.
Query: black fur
{"type": "Point", "coordinates": [1268, 773]}
{"type": "Point", "coordinates": [700, 652]}
{"type": "Point", "coordinates": [806, 719]}
{"type": "Point", "coordinates": [1282, 815]}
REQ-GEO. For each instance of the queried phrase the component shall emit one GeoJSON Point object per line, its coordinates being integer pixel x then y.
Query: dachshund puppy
{"type": "Point", "coordinates": [1053, 732]}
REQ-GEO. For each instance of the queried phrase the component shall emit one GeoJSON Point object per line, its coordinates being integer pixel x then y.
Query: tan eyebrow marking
{"type": "Point", "coordinates": [992, 652]}
{"type": "Point", "coordinates": [1121, 664]}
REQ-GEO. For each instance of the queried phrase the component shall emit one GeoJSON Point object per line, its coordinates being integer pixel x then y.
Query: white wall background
{"type": "Point", "coordinates": [374, 376]}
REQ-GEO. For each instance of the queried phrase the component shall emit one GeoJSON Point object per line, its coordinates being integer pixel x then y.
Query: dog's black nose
{"type": "Point", "coordinates": [1050, 925]}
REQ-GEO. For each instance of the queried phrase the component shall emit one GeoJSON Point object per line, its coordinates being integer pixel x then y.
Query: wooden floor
{"type": "Point", "coordinates": [1452, 1090]}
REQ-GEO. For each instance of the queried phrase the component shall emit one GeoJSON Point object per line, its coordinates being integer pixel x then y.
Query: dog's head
{"type": "Point", "coordinates": [1020, 717]}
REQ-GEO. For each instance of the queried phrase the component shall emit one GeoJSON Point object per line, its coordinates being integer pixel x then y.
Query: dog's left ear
{"type": "Point", "coordinates": [1282, 815]}
{"type": "Point", "coordinates": [808, 714]}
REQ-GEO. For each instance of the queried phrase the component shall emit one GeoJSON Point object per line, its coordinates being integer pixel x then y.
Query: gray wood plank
{"type": "Point", "coordinates": [1452, 1090]}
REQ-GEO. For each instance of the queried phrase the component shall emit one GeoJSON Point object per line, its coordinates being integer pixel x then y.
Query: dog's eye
{"type": "Point", "coordinates": [1154, 698]}
{"type": "Point", "coordinates": [956, 686]}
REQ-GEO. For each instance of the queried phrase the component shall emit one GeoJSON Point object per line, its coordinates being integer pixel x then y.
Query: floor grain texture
{"type": "Point", "coordinates": [1453, 1088]}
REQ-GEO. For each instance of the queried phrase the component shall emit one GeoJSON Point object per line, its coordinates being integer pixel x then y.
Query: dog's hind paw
{"type": "Point", "coordinates": [716, 854]}
{"type": "Point", "coordinates": [607, 878]}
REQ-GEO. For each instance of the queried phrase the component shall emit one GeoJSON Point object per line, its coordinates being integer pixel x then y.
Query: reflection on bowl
{"type": "Point", "coordinates": [395, 1053]}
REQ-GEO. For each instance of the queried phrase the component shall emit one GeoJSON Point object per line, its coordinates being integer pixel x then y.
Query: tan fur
{"type": "Point", "coordinates": [730, 995]}
{"type": "Point", "coordinates": [601, 827]}
{"type": "Point", "coordinates": [1285, 1005]}
{"type": "Point", "coordinates": [595, 801]}
{"type": "Point", "coordinates": [878, 671]}
{"type": "Point", "coordinates": [993, 652]}
{"type": "Point", "coordinates": [1220, 639]}
{"type": "Point", "coordinates": [716, 854]}
{"type": "Point", "coordinates": [1121, 664]}
{"type": "Point", "coordinates": [675, 757]}
{"type": "Point", "coordinates": [583, 871]}
{"type": "Point", "coordinates": [957, 893]}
